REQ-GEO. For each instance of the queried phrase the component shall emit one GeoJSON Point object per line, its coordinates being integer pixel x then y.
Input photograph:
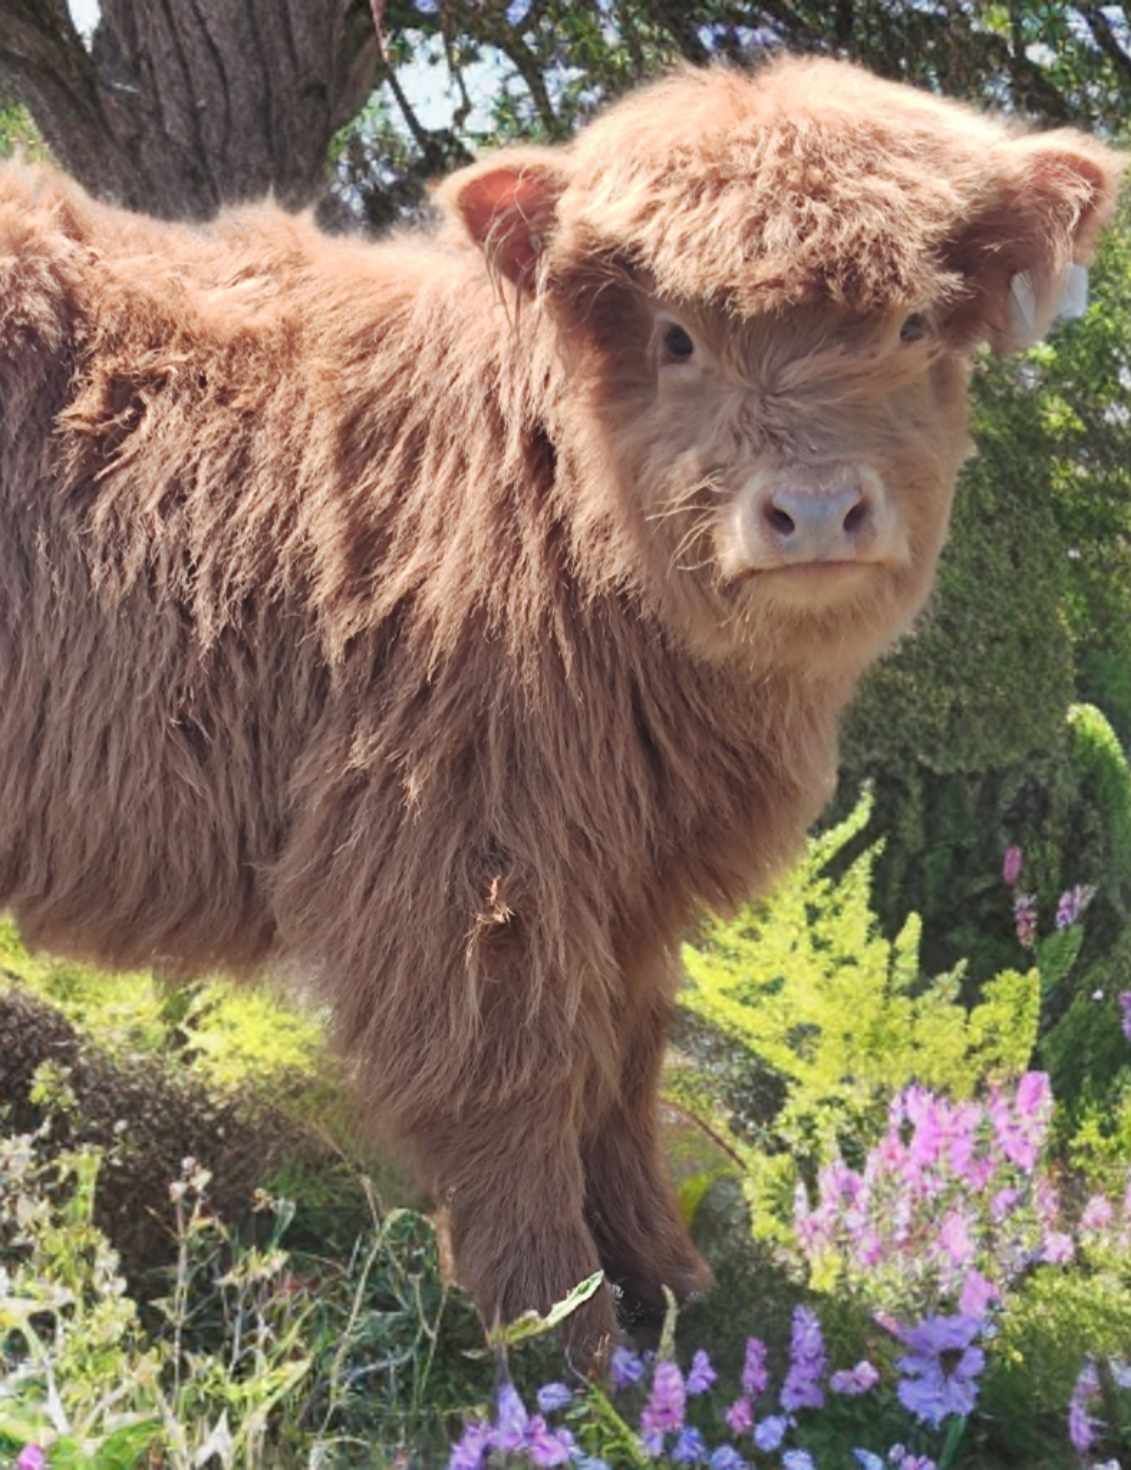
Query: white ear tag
{"type": "Point", "coordinates": [1073, 301]}
{"type": "Point", "coordinates": [1023, 329]}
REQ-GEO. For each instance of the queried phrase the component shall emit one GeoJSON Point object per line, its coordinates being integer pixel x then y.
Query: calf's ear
{"type": "Point", "coordinates": [508, 204]}
{"type": "Point", "coordinates": [1052, 195]}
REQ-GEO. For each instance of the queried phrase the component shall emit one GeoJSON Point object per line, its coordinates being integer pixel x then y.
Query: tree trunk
{"type": "Point", "coordinates": [181, 106]}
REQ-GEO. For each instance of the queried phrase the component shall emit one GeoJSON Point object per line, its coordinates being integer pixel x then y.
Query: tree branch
{"type": "Point", "coordinates": [526, 64]}
{"type": "Point", "coordinates": [1105, 37]}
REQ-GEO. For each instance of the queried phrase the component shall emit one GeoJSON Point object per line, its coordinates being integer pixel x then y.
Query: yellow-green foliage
{"type": "Point", "coordinates": [809, 987]}
{"type": "Point", "coordinates": [1055, 1321]}
{"type": "Point", "coordinates": [236, 1037]}
{"type": "Point", "coordinates": [19, 134]}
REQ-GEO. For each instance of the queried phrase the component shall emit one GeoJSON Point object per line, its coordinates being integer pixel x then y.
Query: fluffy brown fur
{"type": "Point", "coordinates": [387, 612]}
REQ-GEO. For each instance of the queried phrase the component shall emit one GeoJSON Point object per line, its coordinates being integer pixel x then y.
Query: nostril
{"type": "Point", "coordinates": [780, 521]}
{"type": "Point", "coordinates": [856, 517]}
{"type": "Point", "coordinates": [820, 522]}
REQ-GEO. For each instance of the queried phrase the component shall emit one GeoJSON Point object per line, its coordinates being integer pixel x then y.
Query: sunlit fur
{"type": "Point", "coordinates": [361, 612]}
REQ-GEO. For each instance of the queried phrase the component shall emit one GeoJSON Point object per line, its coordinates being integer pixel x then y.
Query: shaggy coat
{"type": "Point", "coordinates": [421, 617]}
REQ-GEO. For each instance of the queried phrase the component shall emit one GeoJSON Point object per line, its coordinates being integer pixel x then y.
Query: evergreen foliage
{"type": "Point", "coordinates": [808, 991]}
{"type": "Point", "coordinates": [968, 731]}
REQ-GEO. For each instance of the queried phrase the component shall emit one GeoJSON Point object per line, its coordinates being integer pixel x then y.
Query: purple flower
{"type": "Point", "coordinates": [625, 1368]}
{"type": "Point", "coordinates": [701, 1375]}
{"type": "Point", "coordinates": [797, 1460]}
{"type": "Point", "coordinates": [1098, 1213]}
{"type": "Point", "coordinates": [1057, 1249]}
{"type": "Point", "coordinates": [1081, 1425]}
{"type": "Point", "coordinates": [915, 1462]}
{"type": "Point", "coordinates": [1073, 902]}
{"type": "Point", "coordinates": [553, 1396]}
{"type": "Point", "coordinates": [770, 1432]}
{"type": "Point", "coordinates": [667, 1401]}
{"type": "Point", "coordinates": [955, 1239]}
{"type": "Point", "coordinates": [1020, 1127]}
{"type": "Point", "coordinates": [1034, 1095]}
{"type": "Point", "coordinates": [802, 1387]}
{"type": "Point", "coordinates": [1011, 866]}
{"type": "Point", "coordinates": [869, 1248]}
{"type": "Point", "coordinates": [511, 1420]}
{"type": "Point", "coordinates": [755, 1375]}
{"type": "Point", "coordinates": [726, 1458]}
{"type": "Point", "coordinates": [941, 1370]}
{"type": "Point", "coordinates": [468, 1453]}
{"type": "Point", "coordinates": [547, 1447]}
{"type": "Point", "coordinates": [690, 1448]}
{"type": "Point", "coordinates": [31, 1457]}
{"type": "Point", "coordinates": [1125, 1007]}
{"type": "Point", "coordinates": [855, 1381]}
{"type": "Point", "coordinates": [867, 1460]}
{"type": "Point", "coordinates": [977, 1294]}
{"type": "Point", "coordinates": [740, 1416]}
{"type": "Point", "coordinates": [1002, 1204]}
{"type": "Point", "coordinates": [924, 1112]}
{"type": "Point", "coordinates": [1025, 918]}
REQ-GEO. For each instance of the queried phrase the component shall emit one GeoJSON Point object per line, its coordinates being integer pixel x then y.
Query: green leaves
{"type": "Point", "coordinates": [121, 1450]}
{"type": "Point", "coordinates": [533, 1324]}
{"type": "Point", "coordinates": [807, 983]}
{"type": "Point", "coordinates": [1056, 954]}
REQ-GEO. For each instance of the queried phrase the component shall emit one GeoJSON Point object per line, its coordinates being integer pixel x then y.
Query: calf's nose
{"type": "Point", "coordinates": [816, 525]}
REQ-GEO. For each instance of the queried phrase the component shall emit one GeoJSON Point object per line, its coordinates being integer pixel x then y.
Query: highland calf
{"type": "Point", "coordinates": [450, 618]}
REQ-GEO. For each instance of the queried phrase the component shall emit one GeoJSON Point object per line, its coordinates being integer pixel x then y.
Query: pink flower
{"type": "Point", "coordinates": [977, 1294]}
{"type": "Point", "coordinates": [1011, 866]}
{"type": "Point", "coordinates": [1025, 918]}
{"type": "Point", "coordinates": [31, 1457]}
{"type": "Point", "coordinates": [1098, 1213]}
{"type": "Point", "coordinates": [1057, 1249]}
{"type": "Point", "coordinates": [1047, 1201]}
{"type": "Point", "coordinates": [1002, 1204]}
{"type": "Point", "coordinates": [955, 1239]}
{"type": "Point", "coordinates": [1073, 902]}
{"type": "Point", "coordinates": [740, 1416]}
{"type": "Point", "coordinates": [869, 1248]}
{"type": "Point", "coordinates": [1034, 1095]}
{"type": "Point", "coordinates": [1021, 1127]}
{"type": "Point", "coordinates": [1125, 1007]}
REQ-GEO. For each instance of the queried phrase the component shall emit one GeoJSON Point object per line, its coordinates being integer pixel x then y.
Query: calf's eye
{"type": "Point", "coordinates": [914, 329]}
{"type": "Point", "coordinates": [678, 346]}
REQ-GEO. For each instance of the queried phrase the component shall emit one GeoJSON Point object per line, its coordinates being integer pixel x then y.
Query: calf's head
{"type": "Point", "coordinates": [767, 288]}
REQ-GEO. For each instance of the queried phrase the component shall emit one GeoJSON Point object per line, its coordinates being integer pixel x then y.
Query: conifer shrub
{"type": "Point", "coordinates": [967, 731]}
{"type": "Point", "coordinates": [804, 988]}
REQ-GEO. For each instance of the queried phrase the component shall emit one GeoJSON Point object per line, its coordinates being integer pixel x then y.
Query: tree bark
{"type": "Point", "coordinates": [181, 106]}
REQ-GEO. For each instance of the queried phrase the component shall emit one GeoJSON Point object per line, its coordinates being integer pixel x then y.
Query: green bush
{"type": "Point", "coordinates": [823, 1018]}
{"type": "Point", "coordinates": [965, 731]}
{"type": "Point", "coordinates": [255, 1357]}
